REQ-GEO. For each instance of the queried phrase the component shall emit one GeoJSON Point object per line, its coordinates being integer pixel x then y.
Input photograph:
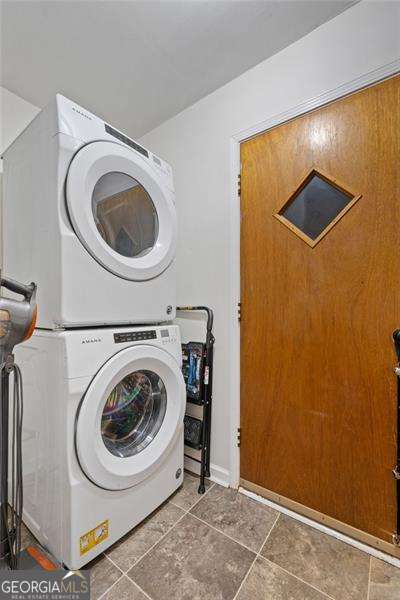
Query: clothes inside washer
{"type": "Point", "coordinates": [133, 413]}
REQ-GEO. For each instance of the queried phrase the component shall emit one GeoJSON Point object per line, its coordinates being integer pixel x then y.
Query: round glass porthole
{"type": "Point", "coordinates": [133, 413]}
{"type": "Point", "coordinates": [125, 215]}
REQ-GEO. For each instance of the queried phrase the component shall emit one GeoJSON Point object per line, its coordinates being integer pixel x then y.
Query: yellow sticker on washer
{"type": "Point", "coordinates": [90, 539]}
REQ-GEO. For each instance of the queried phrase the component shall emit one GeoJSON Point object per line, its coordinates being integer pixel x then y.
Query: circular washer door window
{"type": "Point", "coordinates": [130, 416]}
{"type": "Point", "coordinates": [133, 413]}
{"type": "Point", "coordinates": [120, 211]}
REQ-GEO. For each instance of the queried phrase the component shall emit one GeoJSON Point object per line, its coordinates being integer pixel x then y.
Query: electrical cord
{"type": "Point", "coordinates": [14, 521]}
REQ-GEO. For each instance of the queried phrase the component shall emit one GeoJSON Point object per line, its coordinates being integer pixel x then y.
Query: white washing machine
{"type": "Point", "coordinates": [102, 433]}
{"type": "Point", "coordinates": [89, 215]}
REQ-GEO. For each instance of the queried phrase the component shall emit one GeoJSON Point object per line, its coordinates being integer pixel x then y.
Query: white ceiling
{"type": "Point", "coordinates": [138, 63]}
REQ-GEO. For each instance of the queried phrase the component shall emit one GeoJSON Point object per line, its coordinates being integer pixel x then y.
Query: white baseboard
{"type": "Point", "coordinates": [332, 532]}
{"type": "Point", "coordinates": [217, 474]}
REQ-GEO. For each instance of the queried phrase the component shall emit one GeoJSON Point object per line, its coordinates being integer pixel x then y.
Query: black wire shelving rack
{"type": "Point", "coordinates": [198, 375]}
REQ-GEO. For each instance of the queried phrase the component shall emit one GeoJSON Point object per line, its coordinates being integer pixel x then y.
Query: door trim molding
{"type": "Point", "coordinates": [355, 537]}
{"type": "Point", "coordinates": [367, 79]}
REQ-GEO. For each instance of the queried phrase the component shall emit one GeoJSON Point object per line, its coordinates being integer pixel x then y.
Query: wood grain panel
{"type": "Point", "coordinates": [318, 392]}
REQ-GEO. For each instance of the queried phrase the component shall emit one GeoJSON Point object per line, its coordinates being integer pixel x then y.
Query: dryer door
{"type": "Point", "coordinates": [130, 416]}
{"type": "Point", "coordinates": [120, 212]}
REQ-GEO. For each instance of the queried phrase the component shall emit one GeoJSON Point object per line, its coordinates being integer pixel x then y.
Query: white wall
{"type": "Point", "coordinates": [197, 143]}
{"type": "Point", "coordinates": [15, 114]}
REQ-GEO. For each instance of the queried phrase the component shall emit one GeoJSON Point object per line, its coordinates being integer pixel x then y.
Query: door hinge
{"type": "Point", "coordinates": [239, 184]}
{"type": "Point", "coordinates": [239, 311]}
{"type": "Point", "coordinates": [238, 436]}
{"type": "Point", "coordinates": [396, 539]}
{"type": "Point", "coordinates": [396, 472]}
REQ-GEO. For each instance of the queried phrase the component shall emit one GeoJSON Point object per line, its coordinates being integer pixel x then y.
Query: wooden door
{"type": "Point", "coordinates": [320, 293]}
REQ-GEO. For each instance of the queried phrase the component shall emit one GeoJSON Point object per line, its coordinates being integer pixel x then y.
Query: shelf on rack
{"type": "Point", "coordinates": [193, 432]}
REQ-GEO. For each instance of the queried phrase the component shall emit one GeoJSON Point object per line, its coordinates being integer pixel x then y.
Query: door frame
{"type": "Point", "coordinates": [370, 78]}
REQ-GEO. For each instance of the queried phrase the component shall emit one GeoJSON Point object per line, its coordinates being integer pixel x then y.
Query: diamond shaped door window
{"type": "Point", "coordinates": [316, 206]}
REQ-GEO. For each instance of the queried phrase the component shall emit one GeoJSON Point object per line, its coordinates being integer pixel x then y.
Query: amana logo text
{"type": "Point", "coordinates": [91, 340]}
{"type": "Point", "coordinates": [81, 113]}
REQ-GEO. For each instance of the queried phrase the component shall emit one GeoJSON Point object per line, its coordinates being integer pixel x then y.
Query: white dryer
{"type": "Point", "coordinates": [102, 433]}
{"type": "Point", "coordinates": [89, 215]}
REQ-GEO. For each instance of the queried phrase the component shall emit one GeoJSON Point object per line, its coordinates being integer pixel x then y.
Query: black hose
{"type": "Point", "coordinates": [17, 464]}
{"type": "Point", "coordinates": [14, 521]}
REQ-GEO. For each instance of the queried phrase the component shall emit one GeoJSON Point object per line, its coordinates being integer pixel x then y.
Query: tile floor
{"type": "Point", "coordinates": [224, 546]}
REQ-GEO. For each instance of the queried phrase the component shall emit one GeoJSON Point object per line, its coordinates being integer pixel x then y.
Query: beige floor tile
{"type": "Point", "coordinates": [132, 546]}
{"type": "Point", "coordinates": [193, 561]}
{"type": "Point", "coordinates": [102, 576]}
{"type": "Point", "coordinates": [384, 581]}
{"type": "Point", "coordinates": [187, 495]}
{"type": "Point", "coordinates": [267, 581]}
{"type": "Point", "coordinates": [240, 517]}
{"type": "Point", "coordinates": [319, 559]}
{"type": "Point", "coordinates": [124, 589]}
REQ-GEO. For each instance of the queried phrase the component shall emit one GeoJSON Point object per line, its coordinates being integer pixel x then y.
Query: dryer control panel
{"type": "Point", "coordinates": [126, 140]}
{"type": "Point", "coordinates": [134, 336]}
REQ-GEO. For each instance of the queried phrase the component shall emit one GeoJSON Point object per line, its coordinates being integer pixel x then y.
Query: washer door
{"type": "Point", "coordinates": [120, 212]}
{"type": "Point", "coordinates": [129, 417]}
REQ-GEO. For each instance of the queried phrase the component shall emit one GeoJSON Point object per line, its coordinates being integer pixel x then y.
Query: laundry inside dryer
{"type": "Point", "coordinates": [125, 215]}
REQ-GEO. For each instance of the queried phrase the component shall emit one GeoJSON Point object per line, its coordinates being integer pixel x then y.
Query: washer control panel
{"type": "Point", "coordinates": [134, 336]}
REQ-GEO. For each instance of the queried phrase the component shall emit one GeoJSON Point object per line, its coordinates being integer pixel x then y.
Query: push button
{"type": "Point", "coordinates": [134, 336]}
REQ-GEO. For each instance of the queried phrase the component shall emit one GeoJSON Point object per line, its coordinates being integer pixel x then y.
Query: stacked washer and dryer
{"type": "Point", "coordinates": [89, 215]}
